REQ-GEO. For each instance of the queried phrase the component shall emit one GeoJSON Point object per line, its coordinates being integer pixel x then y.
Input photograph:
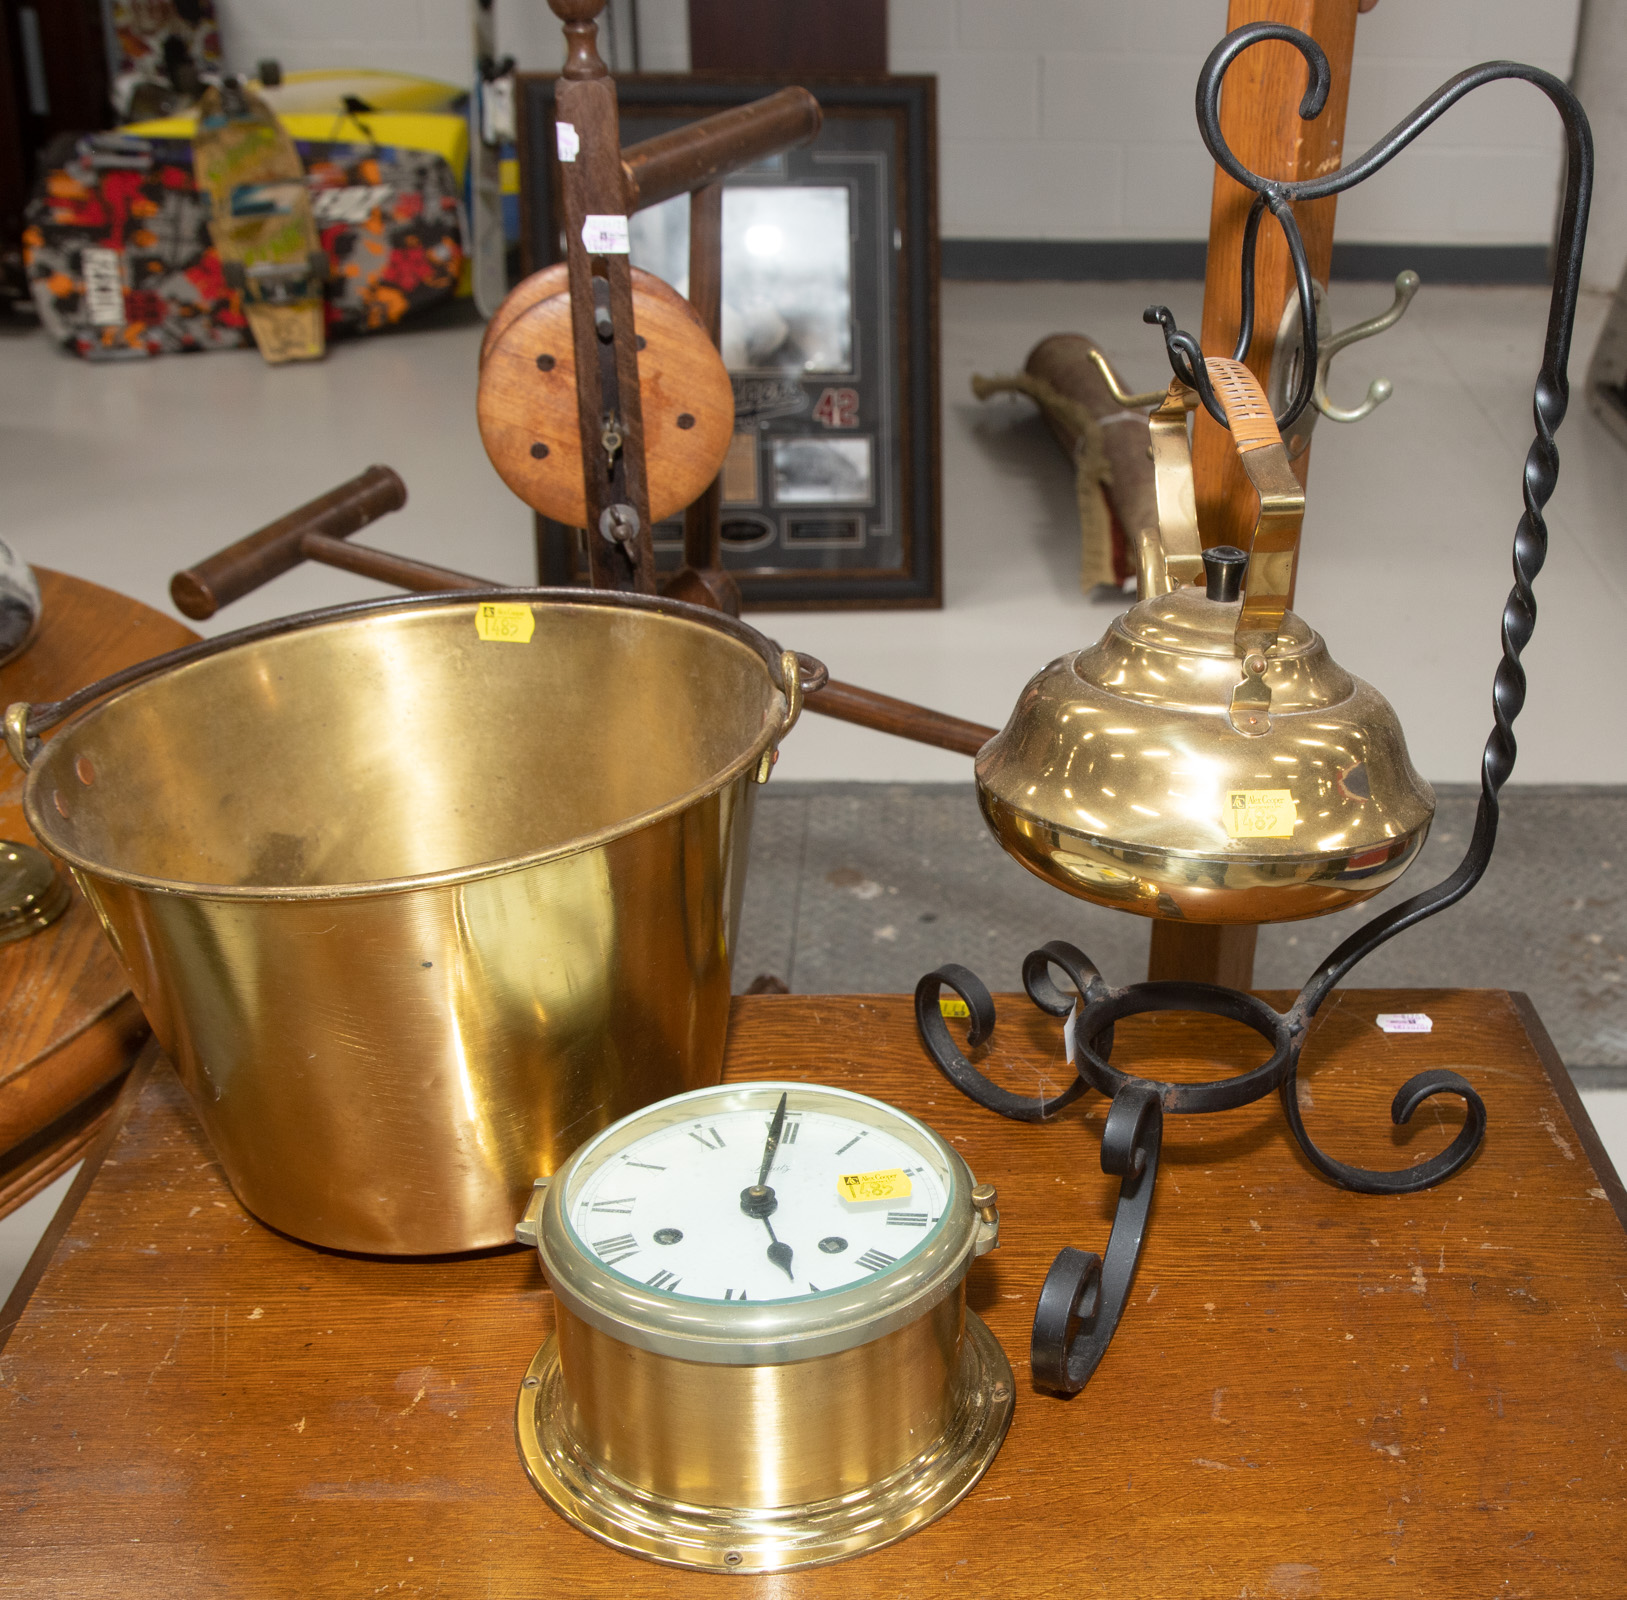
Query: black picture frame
{"type": "Point", "coordinates": [842, 505]}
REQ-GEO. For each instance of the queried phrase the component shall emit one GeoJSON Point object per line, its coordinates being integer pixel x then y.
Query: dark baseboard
{"type": "Point", "coordinates": [1444, 263]}
{"type": "Point", "coordinates": [1072, 260]}
{"type": "Point", "coordinates": [1115, 260]}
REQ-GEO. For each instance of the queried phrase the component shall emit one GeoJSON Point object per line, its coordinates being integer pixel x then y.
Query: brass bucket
{"type": "Point", "coordinates": [413, 910]}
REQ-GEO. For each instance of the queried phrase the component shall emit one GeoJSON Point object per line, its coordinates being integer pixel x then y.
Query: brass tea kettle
{"type": "Point", "coordinates": [1208, 760]}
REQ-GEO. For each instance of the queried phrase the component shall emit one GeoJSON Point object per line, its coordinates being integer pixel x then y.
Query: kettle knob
{"type": "Point", "coordinates": [1223, 569]}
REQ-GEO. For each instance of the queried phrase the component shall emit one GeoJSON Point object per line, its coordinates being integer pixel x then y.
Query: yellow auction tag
{"type": "Point", "coordinates": [505, 624]}
{"type": "Point", "coordinates": [1260, 813]}
{"type": "Point", "coordinates": [953, 1008]}
{"type": "Point", "coordinates": [891, 1185]}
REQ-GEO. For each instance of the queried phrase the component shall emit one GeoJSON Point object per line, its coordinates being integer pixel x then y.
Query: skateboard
{"type": "Point", "coordinates": [260, 218]}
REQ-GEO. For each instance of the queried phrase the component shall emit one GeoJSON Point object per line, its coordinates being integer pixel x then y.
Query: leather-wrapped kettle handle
{"type": "Point", "coordinates": [1274, 549]}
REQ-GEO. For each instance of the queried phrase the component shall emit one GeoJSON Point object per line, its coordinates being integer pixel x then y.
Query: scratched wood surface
{"type": "Point", "coordinates": [1312, 1392]}
{"type": "Point", "coordinates": [68, 1022]}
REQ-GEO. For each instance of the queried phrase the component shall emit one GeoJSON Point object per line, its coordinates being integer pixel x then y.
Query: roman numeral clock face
{"type": "Point", "coordinates": [687, 1208]}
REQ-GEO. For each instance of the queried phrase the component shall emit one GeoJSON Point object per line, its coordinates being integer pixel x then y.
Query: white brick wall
{"type": "Point", "coordinates": [1072, 119]}
{"type": "Point", "coordinates": [1601, 81]}
{"type": "Point", "coordinates": [430, 37]}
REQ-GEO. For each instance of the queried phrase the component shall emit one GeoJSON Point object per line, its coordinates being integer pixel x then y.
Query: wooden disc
{"type": "Point", "coordinates": [549, 282]}
{"type": "Point", "coordinates": [526, 293]}
{"type": "Point", "coordinates": [527, 401]}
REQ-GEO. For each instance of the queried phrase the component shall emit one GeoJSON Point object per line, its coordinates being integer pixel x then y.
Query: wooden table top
{"type": "Point", "coordinates": [63, 986]}
{"type": "Point", "coordinates": [1312, 1392]}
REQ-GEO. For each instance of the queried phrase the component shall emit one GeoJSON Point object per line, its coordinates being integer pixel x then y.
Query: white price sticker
{"type": "Point", "coordinates": [568, 140]}
{"type": "Point", "coordinates": [103, 271]}
{"type": "Point", "coordinates": [605, 236]}
{"type": "Point", "coordinates": [1405, 1022]}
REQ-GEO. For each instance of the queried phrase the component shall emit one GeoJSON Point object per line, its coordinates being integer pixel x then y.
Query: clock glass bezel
{"type": "Point", "coordinates": [743, 1332]}
{"type": "Point", "coordinates": [679, 1112]}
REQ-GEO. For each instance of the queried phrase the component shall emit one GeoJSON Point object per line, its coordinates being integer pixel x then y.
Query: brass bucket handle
{"type": "Point", "coordinates": [21, 740]}
{"type": "Point", "coordinates": [800, 676]}
{"type": "Point", "coordinates": [25, 723]}
{"type": "Point", "coordinates": [791, 688]}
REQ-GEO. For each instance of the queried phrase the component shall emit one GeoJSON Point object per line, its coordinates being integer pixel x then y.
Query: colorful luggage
{"type": "Point", "coordinates": [118, 250]}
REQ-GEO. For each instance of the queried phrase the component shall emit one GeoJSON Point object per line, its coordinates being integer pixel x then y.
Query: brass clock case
{"type": "Point", "coordinates": [771, 1435]}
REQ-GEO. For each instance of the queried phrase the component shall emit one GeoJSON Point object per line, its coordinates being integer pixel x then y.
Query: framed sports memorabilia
{"type": "Point", "coordinates": [830, 492]}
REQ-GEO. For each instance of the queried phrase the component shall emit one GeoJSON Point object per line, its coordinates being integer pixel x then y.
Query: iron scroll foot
{"type": "Point", "coordinates": [1084, 1294]}
{"type": "Point", "coordinates": [1411, 1095]}
{"type": "Point", "coordinates": [1088, 985]}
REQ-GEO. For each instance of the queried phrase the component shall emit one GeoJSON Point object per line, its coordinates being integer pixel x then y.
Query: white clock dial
{"type": "Point", "coordinates": [677, 1210]}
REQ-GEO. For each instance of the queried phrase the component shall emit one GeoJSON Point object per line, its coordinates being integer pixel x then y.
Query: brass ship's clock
{"type": "Point", "coordinates": [763, 1356]}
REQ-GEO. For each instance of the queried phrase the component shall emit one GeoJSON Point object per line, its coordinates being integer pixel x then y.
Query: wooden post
{"type": "Point", "coordinates": [702, 578]}
{"type": "Point", "coordinates": [602, 279]}
{"type": "Point", "coordinates": [1259, 114]}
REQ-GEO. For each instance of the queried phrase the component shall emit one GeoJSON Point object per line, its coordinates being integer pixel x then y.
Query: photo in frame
{"type": "Point", "coordinates": [831, 489]}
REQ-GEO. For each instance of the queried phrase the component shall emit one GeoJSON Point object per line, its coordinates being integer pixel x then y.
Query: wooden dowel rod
{"type": "Point", "coordinates": [418, 576]}
{"type": "Point", "coordinates": [849, 703]}
{"type": "Point", "coordinates": [200, 591]}
{"type": "Point", "coordinates": [702, 152]}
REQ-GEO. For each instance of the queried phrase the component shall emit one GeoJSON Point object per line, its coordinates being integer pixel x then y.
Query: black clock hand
{"type": "Point", "coordinates": [775, 1129]}
{"type": "Point", "coordinates": [760, 1201]}
{"type": "Point", "coordinates": [757, 1199]}
{"type": "Point", "coordinates": [779, 1253]}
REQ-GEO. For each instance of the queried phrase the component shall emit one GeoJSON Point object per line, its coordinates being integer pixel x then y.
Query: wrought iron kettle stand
{"type": "Point", "coordinates": [1084, 1294]}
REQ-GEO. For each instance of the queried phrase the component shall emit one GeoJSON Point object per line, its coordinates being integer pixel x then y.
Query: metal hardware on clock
{"type": "Point", "coordinates": [1207, 693]}
{"type": "Point", "coordinates": [763, 1357]}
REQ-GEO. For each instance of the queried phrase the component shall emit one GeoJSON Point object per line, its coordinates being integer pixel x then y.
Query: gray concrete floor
{"type": "Point", "coordinates": [862, 888]}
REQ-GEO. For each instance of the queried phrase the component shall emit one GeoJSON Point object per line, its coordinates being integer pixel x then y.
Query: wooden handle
{"type": "Point", "coordinates": [200, 591]}
{"type": "Point", "coordinates": [419, 577]}
{"type": "Point", "coordinates": [702, 152]}
{"type": "Point", "coordinates": [849, 703]}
